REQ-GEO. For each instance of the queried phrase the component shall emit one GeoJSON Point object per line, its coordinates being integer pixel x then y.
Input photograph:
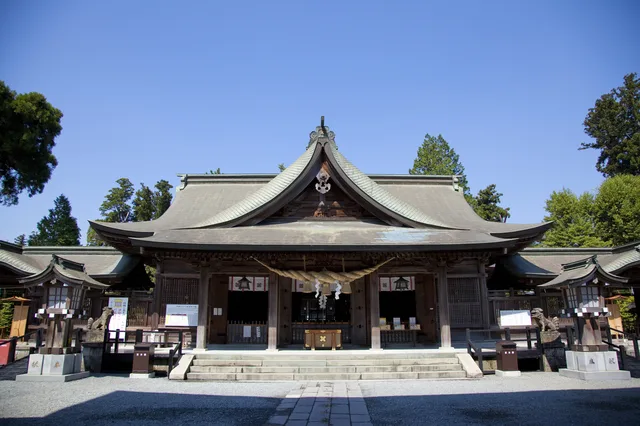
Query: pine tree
{"type": "Point", "coordinates": [486, 205]}
{"type": "Point", "coordinates": [162, 197]}
{"type": "Point", "coordinates": [59, 228]}
{"type": "Point", "coordinates": [6, 317]}
{"type": "Point", "coordinates": [20, 240]}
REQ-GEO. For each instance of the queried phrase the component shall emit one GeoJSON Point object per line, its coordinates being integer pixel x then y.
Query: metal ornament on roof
{"type": "Point", "coordinates": [323, 186]}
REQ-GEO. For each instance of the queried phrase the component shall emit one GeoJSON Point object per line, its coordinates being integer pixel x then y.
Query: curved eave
{"type": "Point", "coordinates": [533, 231]}
{"type": "Point", "coordinates": [373, 196]}
{"type": "Point", "coordinates": [112, 228]}
{"type": "Point", "coordinates": [572, 277]}
{"type": "Point", "coordinates": [54, 271]}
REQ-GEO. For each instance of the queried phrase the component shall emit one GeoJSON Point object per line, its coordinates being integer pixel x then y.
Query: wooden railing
{"type": "Point", "coordinates": [237, 333]}
{"type": "Point", "coordinates": [474, 347]}
{"type": "Point", "coordinates": [13, 342]}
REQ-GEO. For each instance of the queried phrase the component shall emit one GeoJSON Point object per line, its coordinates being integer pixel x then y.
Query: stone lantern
{"type": "Point", "coordinates": [582, 284]}
{"type": "Point", "coordinates": [64, 285]}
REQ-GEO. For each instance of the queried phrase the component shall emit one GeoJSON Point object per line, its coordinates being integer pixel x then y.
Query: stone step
{"type": "Point", "coordinates": [198, 361]}
{"type": "Point", "coordinates": [314, 355]}
{"type": "Point", "coordinates": [337, 370]}
{"type": "Point", "coordinates": [325, 376]}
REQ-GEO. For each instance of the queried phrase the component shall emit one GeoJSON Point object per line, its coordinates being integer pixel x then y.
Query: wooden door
{"type": "Point", "coordinates": [426, 306]}
{"type": "Point", "coordinates": [218, 305]}
{"type": "Point", "coordinates": [19, 324]}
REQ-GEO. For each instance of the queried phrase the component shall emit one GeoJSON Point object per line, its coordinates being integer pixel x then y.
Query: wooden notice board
{"type": "Point", "coordinates": [19, 323]}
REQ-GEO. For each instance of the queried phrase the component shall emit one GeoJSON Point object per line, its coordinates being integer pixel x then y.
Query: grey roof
{"type": "Point", "coordinates": [547, 262]}
{"type": "Point", "coordinates": [64, 270]}
{"type": "Point", "coordinates": [322, 235]}
{"type": "Point", "coordinates": [583, 271]}
{"type": "Point", "coordinates": [99, 262]}
{"type": "Point", "coordinates": [226, 201]}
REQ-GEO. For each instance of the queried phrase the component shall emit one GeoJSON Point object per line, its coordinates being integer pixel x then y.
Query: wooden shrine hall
{"type": "Point", "coordinates": [379, 259]}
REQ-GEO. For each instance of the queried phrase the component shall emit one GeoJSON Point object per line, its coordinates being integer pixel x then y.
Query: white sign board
{"type": "Point", "coordinates": [515, 318]}
{"type": "Point", "coordinates": [181, 316]}
{"type": "Point", "coordinates": [118, 321]}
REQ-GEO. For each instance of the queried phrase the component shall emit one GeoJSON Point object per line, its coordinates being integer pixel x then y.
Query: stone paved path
{"type": "Point", "coordinates": [323, 403]}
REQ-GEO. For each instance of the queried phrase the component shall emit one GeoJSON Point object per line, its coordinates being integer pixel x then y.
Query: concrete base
{"type": "Point", "coordinates": [595, 375]}
{"type": "Point", "coordinates": [142, 375]}
{"type": "Point", "coordinates": [501, 373]}
{"type": "Point", "coordinates": [200, 350]}
{"type": "Point", "coordinates": [59, 378]}
{"type": "Point", "coordinates": [180, 371]}
{"type": "Point", "coordinates": [469, 366]}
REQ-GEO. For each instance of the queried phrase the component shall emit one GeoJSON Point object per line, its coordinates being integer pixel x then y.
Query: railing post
{"type": "Point", "coordinates": [180, 337]}
{"type": "Point", "coordinates": [507, 333]}
{"type": "Point", "coordinates": [11, 356]}
{"type": "Point", "coordinates": [480, 360]}
{"type": "Point", "coordinates": [139, 335]}
{"type": "Point", "coordinates": [38, 339]}
{"type": "Point", "coordinates": [528, 332]}
{"type": "Point", "coordinates": [635, 346]}
{"type": "Point", "coordinates": [469, 341]}
{"type": "Point", "coordinates": [540, 350]}
{"type": "Point", "coordinates": [117, 341]}
{"type": "Point", "coordinates": [609, 340]}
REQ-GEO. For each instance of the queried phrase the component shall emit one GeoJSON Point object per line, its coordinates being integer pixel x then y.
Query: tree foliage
{"type": "Point", "coordinates": [614, 123]}
{"type": "Point", "coordinates": [487, 205]}
{"type": "Point", "coordinates": [436, 157]}
{"type": "Point", "coordinates": [281, 167]}
{"type": "Point", "coordinates": [214, 172]}
{"type": "Point", "coordinates": [6, 318]}
{"type": "Point", "coordinates": [28, 128]}
{"type": "Point", "coordinates": [58, 228]}
{"type": "Point", "coordinates": [20, 240]}
{"type": "Point", "coordinates": [119, 206]}
{"type": "Point", "coordinates": [616, 209]}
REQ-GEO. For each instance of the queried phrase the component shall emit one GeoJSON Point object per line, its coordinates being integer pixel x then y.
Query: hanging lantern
{"type": "Point", "coordinates": [401, 284]}
{"type": "Point", "coordinates": [244, 284]}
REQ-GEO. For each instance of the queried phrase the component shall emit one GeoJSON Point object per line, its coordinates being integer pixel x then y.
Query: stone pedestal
{"type": "Point", "coordinates": [553, 355]}
{"type": "Point", "coordinates": [501, 373]}
{"type": "Point", "coordinates": [601, 365]}
{"type": "Point", "coordinates": [53, 368]}
{"type": "Point", "coordinates": [92, 356]}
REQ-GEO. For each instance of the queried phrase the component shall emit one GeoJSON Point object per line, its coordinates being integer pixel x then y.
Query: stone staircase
{"type": "Point", "coordinates": [321, 365]}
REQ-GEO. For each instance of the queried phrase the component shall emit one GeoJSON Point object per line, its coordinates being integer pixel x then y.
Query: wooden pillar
{"type": "Point", "coordinates": [272, 331]}
{"type": "Point", "coordinates": [484, 295]}
{"type": "Point", "coordinates": [374, 309]}
{"type": "Point", "coordinates": [358, 313]}
{"type": "Point", "coordinates": [443, 308]}
{"type": "Point", "coordinates": [284, 333]}
{"type": "Point", "coordinates": [203, 309]}
{"type": "Point", "coordinates": [153, 317]}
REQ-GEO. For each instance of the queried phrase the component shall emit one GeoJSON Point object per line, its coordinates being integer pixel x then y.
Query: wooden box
{"type": "Point", "coordinates": [322, 339]}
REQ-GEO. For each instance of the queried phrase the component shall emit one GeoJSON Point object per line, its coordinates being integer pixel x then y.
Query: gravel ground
{"type": "Point", "coordinates": [532, 399]}
{"type": "Point", "coordinates": [119, 400]}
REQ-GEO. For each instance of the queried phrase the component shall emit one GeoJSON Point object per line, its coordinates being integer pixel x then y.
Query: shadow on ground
{"type": "Point", "coordinates": [584, 407]}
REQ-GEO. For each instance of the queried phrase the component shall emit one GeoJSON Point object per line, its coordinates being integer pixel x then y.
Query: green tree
{"type": "Point", "coordinates": [487, 205]}
{"type": "Point", "coordinates": [20, 240]}
{"type": "Point", "coordinates": [436, 157]}
{"type": "Point", "coordinates": [614, 123]}
{"type": "Point", "coordinates": [143, 204]}
{"type": "Point", "coordinates": [93, 239]}
{"type": "Point", "coordinates": [214, 172]}
{"type": "Point", "coordinates": [281, 167]}
{"type": "Point", "coordinates": [148, 204]}
{"type": "Point", "coordinates": [116, 207]}
{"type": "Point", "coordinates": [574, 223]}
{"type": "Point", "coordinates": [6, 318]}
{"type": "Point", "coordinates": [163, 197]}
{"type": "Point", "coordinates": [617, 209]}
{"type": "Point", "coordinates": [28, 128]}
{"type": "Point", "coordinates": [58, 228]}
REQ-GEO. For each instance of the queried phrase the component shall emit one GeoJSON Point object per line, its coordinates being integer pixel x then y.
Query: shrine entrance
{"type": "Point", "coordinates": [398, 319]}
{"type": "Point", "coordinates": [310, 311]}
{"type": "Point", "coordinates": [247, 310]}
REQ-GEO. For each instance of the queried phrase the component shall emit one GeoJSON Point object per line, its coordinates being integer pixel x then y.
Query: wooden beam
{"type": "Point", "coordinates": [443, 308]}
{"type": "Point", "coordinates": [203, 309]}
{"type": "Point", "coordinates": [272, 331]}
{"type": "Point", "coordinates": [374, 309]}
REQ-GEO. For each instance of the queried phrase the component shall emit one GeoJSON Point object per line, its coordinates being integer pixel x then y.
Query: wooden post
{"type": "Point", "coordinates": [284, 332]}
{"type": "Point", "coordinates": [154, 315]}
{"type": "Point", "coordinates": [272, 331]}
{"type": "Point", "coordinates": [203, 309]}
{"type": "Point", "coordinates": [484, 295]}
{"type": "Point", "coordinates": [374, 309]}
{"type": "Point", "coordinates": [443, 308]}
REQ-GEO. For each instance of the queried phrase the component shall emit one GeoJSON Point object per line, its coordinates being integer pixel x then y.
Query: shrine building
{"type": "Point", "coordinates": [321, 245]}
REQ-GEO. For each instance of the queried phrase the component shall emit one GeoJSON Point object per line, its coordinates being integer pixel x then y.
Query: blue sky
{"type": "Point", "coordinates": [152, 89]}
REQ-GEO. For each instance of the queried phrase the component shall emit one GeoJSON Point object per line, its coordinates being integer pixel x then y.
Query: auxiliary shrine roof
{"type": "Point", "coordinates": [239, 212]}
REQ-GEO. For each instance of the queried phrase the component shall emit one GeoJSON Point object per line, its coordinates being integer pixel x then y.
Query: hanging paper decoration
{"type": "Point", "coordinates": [338, 289]}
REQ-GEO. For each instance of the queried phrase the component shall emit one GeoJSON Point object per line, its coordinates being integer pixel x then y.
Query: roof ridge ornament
{"type": "Point", "coordinates": [322, 134]}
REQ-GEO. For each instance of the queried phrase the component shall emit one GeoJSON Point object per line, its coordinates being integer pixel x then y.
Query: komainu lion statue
{"type": "Point", "coordinates": [103, 320]}
{"type": "Point", "coordinates": [550, 324]}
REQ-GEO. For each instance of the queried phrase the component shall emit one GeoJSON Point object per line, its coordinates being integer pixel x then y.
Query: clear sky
{"type": "Point", "coordinates": [150, 89]}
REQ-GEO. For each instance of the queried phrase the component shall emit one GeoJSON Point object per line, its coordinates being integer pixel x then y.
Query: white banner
{"type": "Point", "coordinates": [120, 305]}
{"type": "Point", "coordinates": [515, 318]}
{"type": "Point", "coordinates": [181, 316]}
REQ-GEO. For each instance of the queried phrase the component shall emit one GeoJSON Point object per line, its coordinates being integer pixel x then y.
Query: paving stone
{"type": "Point", "coordinates": [340, 409]}
{"type": "Point", "coordinates": [340, 401]}
{"type": "Point", "coordinates": [340, 416]}
{"type": "Point", "coordinates": [302, 409]}
{"type": "Point", "coordinates": [358, 408]}
{"type": "Point", "coordinates": [317, 424]}
{"type": "Point", "coordinates": [296, 423]}
{"type": "Point", "coordinates": [362, 423]}
{"type": "Point", "coordinates": [306, 401]}
{"type": "Point", "coordinates": [277, 420]}
{"type": "Point", "coordinates": [340, 422]}
{"type": "Point", "coordinates": [360, 418]}
{"type": "Point", "coordinates": [299, 416]}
